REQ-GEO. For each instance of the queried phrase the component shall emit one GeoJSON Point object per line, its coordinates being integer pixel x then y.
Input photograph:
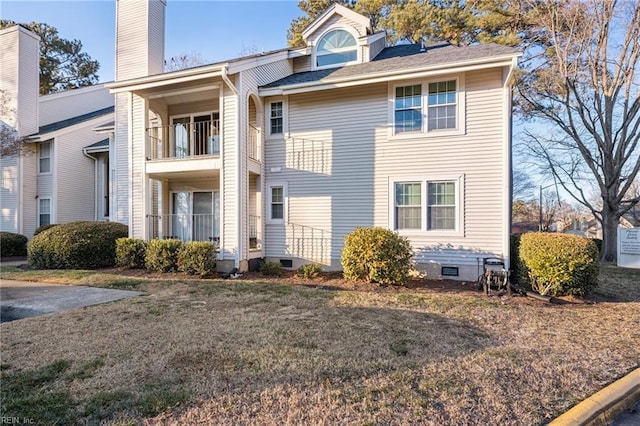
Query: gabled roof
{"type": "Point", "coordinates": [407, 57]}
{"type": "Point", "coordinates": [101, 146]}
{"type": "Point", "coordinates": [335, 9]}
{"type": "Point", "coordinates": [74, 120]}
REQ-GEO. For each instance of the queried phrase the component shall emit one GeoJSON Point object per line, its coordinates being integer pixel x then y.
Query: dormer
{"type": "Point", "coordinates": [339, 36]}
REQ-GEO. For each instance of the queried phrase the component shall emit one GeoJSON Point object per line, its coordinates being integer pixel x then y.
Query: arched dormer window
{"type": "Point", "coordinates": [337, 47]}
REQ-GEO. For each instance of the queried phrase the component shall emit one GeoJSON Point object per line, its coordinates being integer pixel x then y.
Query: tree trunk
{"type": "Point", "coordinates": [609, 235]}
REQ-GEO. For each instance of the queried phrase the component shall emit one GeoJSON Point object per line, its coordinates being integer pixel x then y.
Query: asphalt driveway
{"type": "Point", "coordinates": [22, 299]}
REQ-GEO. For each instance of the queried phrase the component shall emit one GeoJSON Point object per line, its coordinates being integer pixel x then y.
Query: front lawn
{"type": "Point", "coordinates": [239, 352]}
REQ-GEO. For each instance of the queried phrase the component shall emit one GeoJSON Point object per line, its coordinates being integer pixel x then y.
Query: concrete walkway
{"type": "Point", "coordinates": [23, 299]}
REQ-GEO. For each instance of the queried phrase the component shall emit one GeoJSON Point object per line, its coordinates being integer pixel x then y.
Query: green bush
{"type": "Point", "coordinates": [377, 255]}
{"type": "Point", "coordinates": [598, 243]}
{"type": "Point", "coordinates": [271, 269]}
{"type": "Point", "coordinates": [558, 264]}
{"type": "Point", "coordinates": [130, 253]}
{"type": "Point", "coordinates": [12, 244]}
{"type": "Point", "coordinates": [42, 228]}
{"type": "Point", "coordinates": [514, 248]}
{"type": "Point", "coordinates": [309, 270]}
{"type": "Point", "coordinates": [197, 257]}
{"type": "Point", "coordinates": [162, 255]}
{"type": "Point", "coordinates": [76, 245]}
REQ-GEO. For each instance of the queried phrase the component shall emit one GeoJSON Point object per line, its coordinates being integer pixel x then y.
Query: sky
{"type": "Point", "coordinates": [217, 30]}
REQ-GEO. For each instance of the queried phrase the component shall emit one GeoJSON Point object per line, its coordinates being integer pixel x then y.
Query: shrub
{"type": "Point", "coordinates": [197, 257]}
{"type": "Point", "coordinates": [42, 228]}
{"type": "Point", "coordinates": [272, 269]}
{"type": "Point", "coordinates": [598, 243]}
{"type": "Point", "coordinates": [309, 270]}
{"type": "Point", "coordinates": [12, 244]}
{"type": "Point", "coordinates": [514, 248]}
{"type": "Point", "coordinates": [377, 255]}
{"type": "Point", "coordinates": [76, 245]}
{"type": "Point", "coordinates": [130, 253]}
{"type": "Point", "coordinates": [162, 255]}
{"type": "Point", "coordinates": [558, 264]}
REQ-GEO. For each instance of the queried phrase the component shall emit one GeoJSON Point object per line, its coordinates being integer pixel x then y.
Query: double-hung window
{"type": "Point", "coordinates": [426, 205]}
{"type": "Point", "coordinates": [44, 211]}
{"type": "Point", "coordinates": [408, 205]}
{"type": "Point", "coordinates": [44, 157]}
{"type": "Point", "coordinates": [276, 202]}
{"type": "Point", "coordinates": [428, 107]}
{"type": "Point", "coordinates": [442, 105]}
{"type": "Point", "coordinates": [275, 121]}
{"type": "Point", "coordinates": [408, 109]}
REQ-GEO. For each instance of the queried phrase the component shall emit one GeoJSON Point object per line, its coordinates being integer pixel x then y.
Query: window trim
{"type": "Point", "coordinates": [270, 118]}
{"type": "Point", "coordinates": [314, 58]}
{"type": "Point", "coordinates": [267, 117]}
{"type": "Point", "coordinates": [459, 181]}
{"type": "Point", "coordinates": [50, 157]}
{"type": "Point", "coordinates": [285, 202]}
{"type": "Point", "coordinates": [461, 118]}
{"type": "Point", "coordinates": [40, 199]}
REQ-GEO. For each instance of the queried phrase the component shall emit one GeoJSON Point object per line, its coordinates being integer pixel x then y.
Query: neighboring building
{"type": "Point", "coordinates": [280, 155]}
{"type": "Point", "coordinates": [64, 177]}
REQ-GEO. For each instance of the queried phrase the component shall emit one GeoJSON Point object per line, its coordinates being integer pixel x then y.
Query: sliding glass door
{"type": "Point", "coordinates": [196, 215]}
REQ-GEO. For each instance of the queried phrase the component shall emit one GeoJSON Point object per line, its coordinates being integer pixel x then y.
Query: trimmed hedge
{"type": "Point", "coordinates": [12, 244]}
{"type": "Point", "coordinates": [162, 255]}
{"type": "Point", "coordinates": [558, 264]}
{"type": "Point", "coordinates": [43, 228]}
{"type": "Point", "coordinates": [377, 255]}
{"type": "Point", "coordinates": [130, 253]}
{"type": "Point", "coordinates": [197, 257]}
{"type": "Point", "coordinates": [76, 245]}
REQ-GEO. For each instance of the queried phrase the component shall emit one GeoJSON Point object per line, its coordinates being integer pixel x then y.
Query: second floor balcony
{"type": "Point", "coordinates": [183, 139]}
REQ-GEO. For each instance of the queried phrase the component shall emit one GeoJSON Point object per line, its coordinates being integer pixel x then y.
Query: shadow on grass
{"type": "Point", "coordinates": [618, 284]}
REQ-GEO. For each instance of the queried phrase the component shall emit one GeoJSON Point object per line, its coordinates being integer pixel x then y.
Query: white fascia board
{"type": "Point", "coordinates": [70, 93]}
{"type": "Point", "coordinates": [166, 78]}
{"type": "Point", "coordinates": [338, 9]}
{"type": "Point", "coordinates": [256, 61]}
{"type": "Point", "coordinates": [92, 123]}
{"type": "Point", "coordinates": [301, 51]}
{"type": "Point", "coordinates": [358, 80]}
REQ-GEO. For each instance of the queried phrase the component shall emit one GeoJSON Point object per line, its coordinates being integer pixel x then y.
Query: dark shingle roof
{"type": "Point", "coordinates": [101, 144]}
{"type": "Point", "coordinates": [74, 120]}
{"type": "Point", "coordinates": [401, 57]}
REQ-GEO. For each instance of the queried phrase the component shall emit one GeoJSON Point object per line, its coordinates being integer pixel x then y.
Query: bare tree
{"type": "Point", "coordinates": [584, 88]}
{"type": "Point", "coordinates": [184, 61]}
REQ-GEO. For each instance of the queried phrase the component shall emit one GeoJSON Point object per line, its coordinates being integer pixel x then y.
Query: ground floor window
{"type": "Point", "coordinates": [44, 211]}
{"type": "Point", "coordinates": [276, 202]}
{"type": "Point", "coordinates": [426, 205]}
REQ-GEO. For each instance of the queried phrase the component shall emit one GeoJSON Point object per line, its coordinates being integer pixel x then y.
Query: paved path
{"type": "Point", "coordinates": [22, 299]}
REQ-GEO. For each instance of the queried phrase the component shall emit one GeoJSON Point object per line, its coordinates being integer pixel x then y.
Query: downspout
{"type": "Point", "coordinates": [95, 182]}
{"type": "Point", "coordinates": [509, 164]}
{"type": "Point", "coordinates": [234, 89]}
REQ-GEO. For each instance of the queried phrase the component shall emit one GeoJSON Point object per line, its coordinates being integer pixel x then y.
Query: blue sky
{"type": "Point", "coordinates": [217, 30]}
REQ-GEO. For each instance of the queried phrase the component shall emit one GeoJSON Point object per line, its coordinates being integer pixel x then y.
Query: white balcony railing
{"type": "Point", "coordinates": [183, 140]}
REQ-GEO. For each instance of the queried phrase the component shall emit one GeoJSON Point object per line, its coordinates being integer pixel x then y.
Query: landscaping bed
{"type": "Point", "coordinates": [290, 351]}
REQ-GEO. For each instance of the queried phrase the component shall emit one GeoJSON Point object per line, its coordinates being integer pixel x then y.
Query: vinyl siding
{"type": "Point", "coordinates": [377, 47]}
{"type": "Point", "coordinates": [19, 76]}
{"type": "Point", "coordinates": [340, 178]}
{"type": "Point", "coordinates": [73, 103]}
{"type": "Point", "coordinates": [9, 189]}
{"type": "Point", "coordinates": [29, 192]}
{"type": "Point", "coordinates": [302, 64]}
{"type": "Point", "coordinates": [121, 156]}
{"type": "Point", "coordinates": [230, 190]}
{"type": "Point", "coordinates": [138, 179]}
{"type": "Point", "coordinates": [336, 21]}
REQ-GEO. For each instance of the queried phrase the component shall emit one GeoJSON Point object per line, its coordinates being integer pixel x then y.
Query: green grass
{"type": "Point", "coordinates": [621, 284]}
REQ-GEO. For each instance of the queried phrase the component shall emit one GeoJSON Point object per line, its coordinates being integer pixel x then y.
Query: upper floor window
{"type": "Point", "coordinates": [276, 118]}
{"type": "Point", "coordinates": [428, 107]}
{"type": "Point", "coordinates": [442, 105]}
{"type": "Point", "coordinates": [44, 157]}
{"type": "Point", "coordinates": [337, 47]}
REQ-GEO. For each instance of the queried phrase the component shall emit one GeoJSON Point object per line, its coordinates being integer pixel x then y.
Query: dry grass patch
{"type": "Point", "coordinates": [233, 352]}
